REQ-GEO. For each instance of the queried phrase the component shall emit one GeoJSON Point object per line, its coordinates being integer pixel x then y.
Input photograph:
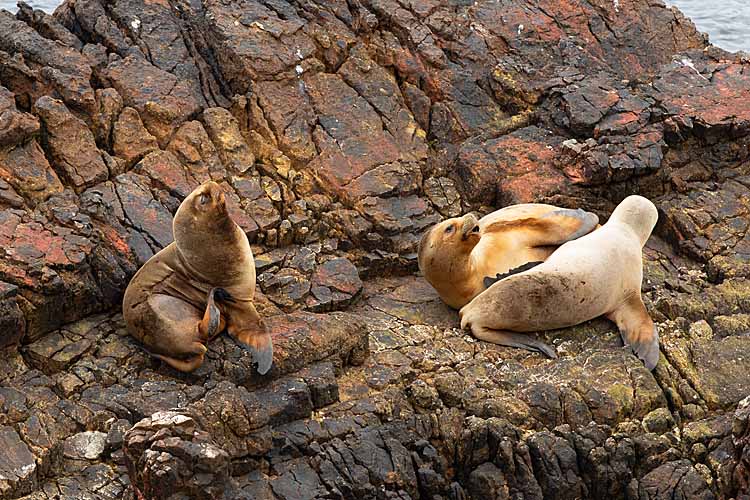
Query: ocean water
{"type": "Point", "coordinates": [727, 22]}
{"type": "Point", "coordinates": [45, 5]}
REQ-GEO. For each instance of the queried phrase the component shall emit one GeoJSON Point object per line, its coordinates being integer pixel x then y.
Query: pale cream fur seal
{"type": "Point", "coordinates": [456, 255]}
{"type": "Point", "coordinates": [597, 274]}
{"type": "Point", "coordinates": [203, 282]}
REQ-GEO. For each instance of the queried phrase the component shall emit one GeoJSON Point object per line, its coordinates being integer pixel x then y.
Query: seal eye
{"type": "Point", "coordinates": [449, 229]}
{"type": "Point", "coordinates": [203, 199]}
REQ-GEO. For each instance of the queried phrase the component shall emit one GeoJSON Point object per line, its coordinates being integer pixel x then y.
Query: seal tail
{"type": "Point", "coordinates": [513, 339]}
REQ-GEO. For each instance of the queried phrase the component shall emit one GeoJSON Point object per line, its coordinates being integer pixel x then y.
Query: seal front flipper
{"type": "Point", "coordinates": [637, 330]}
{"type": "Point", "coordinates": [579, 221]}
{"type": "Point", "coordinates": [488, 281]}
{"type": "Point", "coordinates": [551, 229]}
{"type": "Point", "coordinates": [245, 325]}
{"type": "Point", "coordinates": [211, 324]}
{"type": "Point", "coordinates": [261, 347]}
{"type": "Point", "coordinates": [513, 339]}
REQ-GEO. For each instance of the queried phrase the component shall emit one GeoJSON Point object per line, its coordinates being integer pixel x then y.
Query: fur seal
{"type": "Point", "coordinates": [197, 286]}
{"type": "Point", "coordinates": [597, 274]}
{"type": "Point", "coordinates": [456, 255]}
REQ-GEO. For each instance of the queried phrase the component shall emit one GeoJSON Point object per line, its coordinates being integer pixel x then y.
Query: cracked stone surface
{"type": "Point", "coordinates": [340, 131]}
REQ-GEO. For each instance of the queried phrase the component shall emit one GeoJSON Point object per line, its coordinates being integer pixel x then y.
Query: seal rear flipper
{"type": "Point", "coordinates": [186, 365]}
{"type": "Point", "coordinates": [513, 339]}
{"type": "Point", "coordinates": [183, 365]}
{"type": "Point", "coordinates": [638, 330]}
{"type": "Point", "coordinates": [488, 281]}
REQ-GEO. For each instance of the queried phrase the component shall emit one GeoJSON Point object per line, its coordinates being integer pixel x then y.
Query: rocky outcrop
{"type": "Point", "coordinates": [340, 131]}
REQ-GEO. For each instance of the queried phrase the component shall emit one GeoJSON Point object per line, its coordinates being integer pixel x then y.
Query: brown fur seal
{"type": "Point", "coordinates": [597, 274]}
{"type": "Point", "coordinates": [456, 255]}
{"type": "Point", "coordinates": [197, 286]}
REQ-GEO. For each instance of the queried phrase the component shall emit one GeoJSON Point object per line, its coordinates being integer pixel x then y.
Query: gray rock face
{"type": "Point", "coordinates": [18, 471]}
{"type": "Point", "coordinates": [340, 131]}
{"type": "Point", "coordinates": [85, 445]}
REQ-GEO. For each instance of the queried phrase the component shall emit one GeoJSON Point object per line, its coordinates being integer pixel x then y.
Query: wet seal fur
{"type": "Point", "coordinates": [456, 255]}
{"type": "Point", "coordinates": [597, 274]}
{"type": "Point", "coordinates": [198, 286]}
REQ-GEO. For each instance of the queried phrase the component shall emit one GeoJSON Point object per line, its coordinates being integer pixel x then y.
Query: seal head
{"type": "Point", "coordinates": [446, 245]}
{"type": "Point", "coordinates": [206, 236]}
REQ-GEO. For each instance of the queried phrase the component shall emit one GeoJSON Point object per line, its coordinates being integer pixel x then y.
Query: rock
{"type": "Point", "coordinates": [130, 139]}
{"type": "Point", "coordinates": [144, 212]}
{"type": "Point", "coordinates": [167, 173]}
{"type": "Point", "coordinates": [13, 322]}
{"type": "Point", "coordinates": [71, 145]}
{"type": "Point", "coordinates": [110, 106]}
{"type": "Point", "coordinates": [658, 421]}
{"type": "Point", "coordinates": [168, 454]}
{"type": "Point", "coordinates": [487, 481]}
{"type": "Point", "coordinates": [162, 100]}
{"type": "Point", "coordinates": [334, 285]}
{"type": "Point", "coordinates": [62, 70]}
{"type": "Point", "coordinates": [85, 445]}
{"type": "Point", "coordinates": [56, 351]}
{"type": "Point", "coordinates": [321, 380]}
{"type": "Point", "coordinates": [366, 123]}
{"type": "Point", "coordinates": [224, 131]}
{"type": "Point", "coordinates": [195, 150]}
{"type": "Point", "coordinates": [25, 169]}
{"type": "Point", "coordinates": [47, 26]}
{"type": "Point", "coordinates": [16, 127]}
{"type": "Point", "coordinates": [18, 470]}
{"type": "Point", "coordinates": [674, 478]}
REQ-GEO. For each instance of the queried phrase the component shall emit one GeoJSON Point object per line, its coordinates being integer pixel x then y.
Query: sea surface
{"type": "Point", "coordinates": [727, 22]}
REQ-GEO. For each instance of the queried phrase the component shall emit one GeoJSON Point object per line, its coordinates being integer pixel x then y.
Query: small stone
{"type": "Point", "coordinates": [131, 140]}
{"type": "Point", "coordinates": [286, 235]}
{"type": "Point", "coordinates": [87, 445]}
{"type": "Point", "coordinates": [272, 239]}
{"type": "Point", "coordinates": [658, 421]}
{"type": "Point", "coordinates": [701, 330]}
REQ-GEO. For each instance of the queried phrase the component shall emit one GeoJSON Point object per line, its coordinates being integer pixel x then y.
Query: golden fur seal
{"type": "Point", "coordinates": [197, 286]}
{"type": "Point", "coordinates": [456, 255]}
{"type": "Point", "coordinates": [597, 274]}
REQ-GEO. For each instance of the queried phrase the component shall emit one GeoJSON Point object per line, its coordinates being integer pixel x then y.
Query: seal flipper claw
{"type": "Point", "coordinates": [638, 330]}
{"type": "Point", "coordinates": [263, 354]}
{"type": "Point", "coordinates": [260, 346]}
{"type": "Point", "coordinates": [488, 281]}
{"type": "Point", "coordinates": [646, 350]}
